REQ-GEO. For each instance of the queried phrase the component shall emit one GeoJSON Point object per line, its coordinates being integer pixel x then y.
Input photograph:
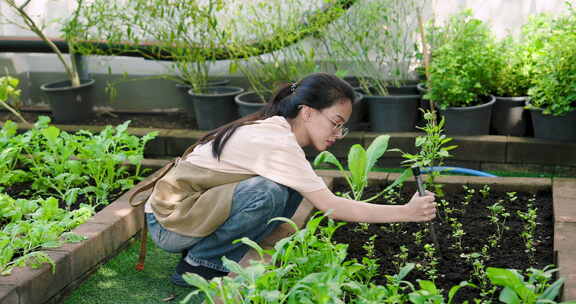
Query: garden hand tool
{"type": "Point", "coordinates": [422, 192]}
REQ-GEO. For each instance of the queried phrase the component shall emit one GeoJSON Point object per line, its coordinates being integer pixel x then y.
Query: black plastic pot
{"type": "Point", "coordinates": [215, 107]}
{"type": "Point", "coordinates": [185, 101]}
{"type": "Point", "coordinates": [474, 120]}
{"type": "Point", "coordinates": [558, 128]}
{"type": "Point", "coordinates": [70, 104]}
{"type": "Point", "coordinates": [407, 87]}
{"type": "Point", "coordinates": [394, 113]}
{"type": "Point", "coordinates": [250, 102]}
{"type": "Point", "coordinates": [358, 120]}
{"type": "Point", "coordinates": [509, 116]}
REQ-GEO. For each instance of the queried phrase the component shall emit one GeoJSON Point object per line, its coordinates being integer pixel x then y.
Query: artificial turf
{"type": "Point", "coordinates": [118, 282]}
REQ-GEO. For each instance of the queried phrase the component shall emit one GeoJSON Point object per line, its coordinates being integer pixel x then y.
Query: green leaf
{"type": "Point", "coordinates": [51, 134]}
{"type": "Point", "coordinates": [552, 291]}
{"type": "Point", "coordinates": [357, 164]}
{"type": "Point", "coordinates": [507, 295]}
{"type": "Point", "coordinates": [327, 157]}
{"type": "Point", "coordinates": [376, 149]}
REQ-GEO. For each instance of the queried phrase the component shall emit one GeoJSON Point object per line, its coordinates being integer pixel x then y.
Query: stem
{"type": "Point", "coordinates": [425, 53]}
{"type": "Point", "coordinates": [13, 111]}
{"type": "Point", "coordinates": [36, 30]}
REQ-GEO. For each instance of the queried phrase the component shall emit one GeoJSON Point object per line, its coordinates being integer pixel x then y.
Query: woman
{"type": "Point", "coordinates": [243, 174]}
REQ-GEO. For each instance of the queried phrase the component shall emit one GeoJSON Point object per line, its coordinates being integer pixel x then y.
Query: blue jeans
{"type": "Point", "coordinates": [255, 201]}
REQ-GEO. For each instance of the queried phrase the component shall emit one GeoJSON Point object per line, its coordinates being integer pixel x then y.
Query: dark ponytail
{"type": "Point", "coordinates": [318, 90]}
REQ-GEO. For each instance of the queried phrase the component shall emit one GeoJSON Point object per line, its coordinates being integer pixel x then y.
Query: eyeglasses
{"type": "Point", "coordinates": [343, 131]}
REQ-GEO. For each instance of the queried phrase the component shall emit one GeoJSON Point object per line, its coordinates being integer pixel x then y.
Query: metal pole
{"type": "Point", "coordinates": [422, 192]}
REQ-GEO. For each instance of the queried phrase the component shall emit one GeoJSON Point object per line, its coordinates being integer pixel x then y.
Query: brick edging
{"type": "Point", "coordinates": [564, 197]}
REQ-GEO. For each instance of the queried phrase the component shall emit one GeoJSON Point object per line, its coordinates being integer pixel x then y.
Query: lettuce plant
{"type": "Point", "coordinates": [535, 288]}
{"type": "Point", "coordinates": [360, 163]}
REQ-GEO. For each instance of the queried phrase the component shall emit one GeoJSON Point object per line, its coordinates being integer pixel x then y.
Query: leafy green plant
{"type": "Point", "coordinates": [514, 68]}
{"type": "Point", "coordinates": [360, 162]}
{"type": "Point", "coordinates": [485, 191]}
{"type": "Point", "coordinates": [462, 67]}
{"type": "Point", "coordinates": [376, 39]}
{"type": "Point", "coordinates": [458, 232]}
{"type": "Point", "coordinates": [529, 218]}
{"type": "Point", "coordinates": [535, 288]}
{"type": "Point", "coordinates": [304, 267]}
{"type": "Point", "coordinates": [8, 91]}
{"type": "Point", "coordinates": [59, 168]}
{"type": "Point", "coordinates": [432, 149]}
{"type": "Point", "coordinates": [553, 91]}
{"type": "Point", "coordinates": [498, 216]}
{"type": "Point", "coordinates": [34, 224]}
{"type": "Point", "coordinates": [429, 293]}
{"type": "Point", "coordinates": [67, 165]}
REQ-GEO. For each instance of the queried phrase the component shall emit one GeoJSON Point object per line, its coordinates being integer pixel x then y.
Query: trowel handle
{"type": "Point", "coordinates": [419, 183]}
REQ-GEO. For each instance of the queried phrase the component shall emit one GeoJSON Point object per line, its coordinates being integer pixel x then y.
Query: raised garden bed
{"type": "Point", "coordinates": [555, 218]}
{"type": "Point", "coordinates": [52, 182]}
{"type": "Point", "coordinates": [467, 232]}
{"type": "Point", "coordinates": [108, 230]}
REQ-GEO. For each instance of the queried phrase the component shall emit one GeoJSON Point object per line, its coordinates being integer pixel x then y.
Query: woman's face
{"type": "Point", "coordinates": [326, 126]}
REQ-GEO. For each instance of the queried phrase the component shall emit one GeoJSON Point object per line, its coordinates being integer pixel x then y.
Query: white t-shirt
{"type": "Point", "coordinates": [267, 148]}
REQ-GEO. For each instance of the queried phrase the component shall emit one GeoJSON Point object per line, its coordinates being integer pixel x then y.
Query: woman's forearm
{"type": "Point", "coordinates": [355, 211]}
{"type": "Point", "coordinates": [416, 210]}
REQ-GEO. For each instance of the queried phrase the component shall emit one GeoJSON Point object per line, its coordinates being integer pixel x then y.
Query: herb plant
{"type": "Point", "coordinates": [432, 149]}
{"type": "Point", "coordinates": [360, 162]}
{"type": "Point", "coordinates": [553, 89]}
{"type": "Point", "coordinates": [57, 169]}
{"type": "Point", "coordinates": [462, 67]}
{"type": "Point", "coordinates": [8, 91]}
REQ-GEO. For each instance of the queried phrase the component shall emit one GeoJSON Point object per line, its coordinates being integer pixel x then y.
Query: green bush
{"type": "Point", "coordinates": [554, 89]}
{"type": "Point", "coordinates": [463, 66]}
{"type": "Point", "coordinates": [515, 70]}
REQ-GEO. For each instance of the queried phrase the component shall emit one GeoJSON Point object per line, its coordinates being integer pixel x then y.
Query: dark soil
{"type": "Point", "coordinates": [452, 267]}
{"type": "Point", "coordinates": [175, 120]}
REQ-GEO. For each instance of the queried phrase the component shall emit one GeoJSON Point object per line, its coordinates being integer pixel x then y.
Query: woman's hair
{"type": "Point", "coordinates": [318, 91]}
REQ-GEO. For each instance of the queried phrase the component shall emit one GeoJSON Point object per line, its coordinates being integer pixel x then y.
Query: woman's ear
{"type": "Point", "coordinates": [306, 112]}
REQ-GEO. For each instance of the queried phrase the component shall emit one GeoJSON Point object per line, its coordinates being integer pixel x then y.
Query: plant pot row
{"type": "Point", "coordinates": [397, 112]}
{"type": "Point", "coordinates": [508, 116]}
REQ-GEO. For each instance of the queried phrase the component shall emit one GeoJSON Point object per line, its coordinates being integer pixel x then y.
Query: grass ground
{"type": "Point", "coordinates": [118, 282]}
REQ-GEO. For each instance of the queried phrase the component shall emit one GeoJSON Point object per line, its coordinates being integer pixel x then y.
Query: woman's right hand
{"type": "Point", "coordinates": [421, 208]}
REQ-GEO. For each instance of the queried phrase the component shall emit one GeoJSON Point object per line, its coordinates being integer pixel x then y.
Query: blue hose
{"type": "Point", "coordinates": [458, 170]}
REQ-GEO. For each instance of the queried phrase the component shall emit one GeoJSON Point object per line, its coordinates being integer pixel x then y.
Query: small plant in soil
{"type": "Point", "coordinates": [466, 230]}
{"type": "Point", "coordinates": [360, 163]}
{"type": "Point", "coordinates": [432, 149]}
{"type": "Point", "coordinates": [52, 181]}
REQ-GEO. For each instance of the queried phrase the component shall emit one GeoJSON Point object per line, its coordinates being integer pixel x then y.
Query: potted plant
{"type": "Point", "coordinates": [382, 55]}
{"type": "Point", "coordinates": [186, 35]}
{"type": "Point", "coordinates": [461, 75]}
{"type": "Point", "coordinates": [69, 99]}
{"type": "Point", "coordinates": [513, 77]}
{"type": "Point", "coordinates": [553, 95]}
{"type": "Point", "coordinates": [267, 72]}
{"type": "Point", "coordinates": [195, 36]}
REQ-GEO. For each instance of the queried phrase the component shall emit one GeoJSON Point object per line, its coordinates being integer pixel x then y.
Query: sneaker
{"type": "Point", "coordinates": [183, 267]}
